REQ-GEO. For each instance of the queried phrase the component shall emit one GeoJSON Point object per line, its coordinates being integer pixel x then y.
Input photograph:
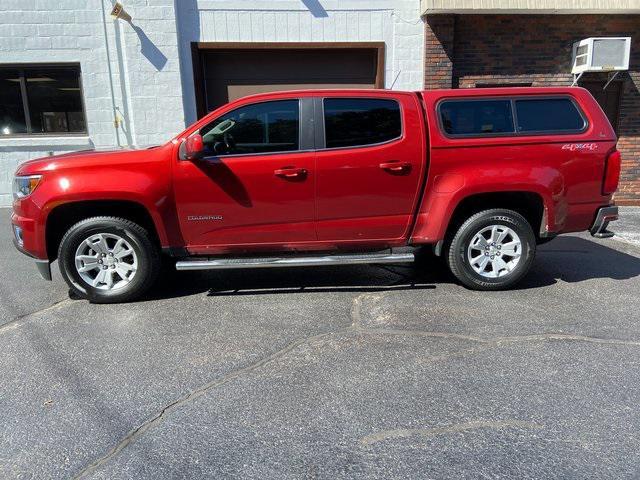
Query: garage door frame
{"type": "Point", "coordinates": [199, 48]}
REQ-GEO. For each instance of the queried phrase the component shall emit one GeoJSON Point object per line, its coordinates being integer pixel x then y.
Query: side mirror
{"type": "Point", "coordinates": [194, 147]}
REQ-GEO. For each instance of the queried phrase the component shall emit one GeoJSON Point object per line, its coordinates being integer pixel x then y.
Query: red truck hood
{"type": "Point", "coordinates": [84, 158]}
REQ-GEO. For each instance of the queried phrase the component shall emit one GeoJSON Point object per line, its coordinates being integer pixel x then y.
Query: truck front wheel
{"type": "Point", "coordinates": [108, 259]}
{"type": "Point", "coordinates": [492, 250]}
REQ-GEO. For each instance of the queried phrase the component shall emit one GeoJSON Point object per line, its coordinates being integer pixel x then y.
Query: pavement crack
{"type": "Point", "coordinates": [540, 337]}
{"type": "Point", "coordinates": [562, 336]}
{"type": "Point", "coordinates": [422, 333]}
{"type": "Point", "coordinates": [455, 428]}
{"type": "Point", "coordinates": [356, 318]}
{"type": "Point", "coordinates": [137, 432]}
{"type": "Point", "coordinates": [16, 322]}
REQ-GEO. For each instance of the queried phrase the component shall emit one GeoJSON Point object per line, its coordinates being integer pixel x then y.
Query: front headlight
{"type": "Point", "coordinates": [24, 186]}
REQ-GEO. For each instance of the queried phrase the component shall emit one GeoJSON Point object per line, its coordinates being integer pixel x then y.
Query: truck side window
{"type": "Point", "coordinates": [352, 122]}
{"type": "Point", "coordinates": [548, 115]}
{"type": "Point", "coordinates": [476, 117]}
{"type": "Point", "coordinates": [258, 128]}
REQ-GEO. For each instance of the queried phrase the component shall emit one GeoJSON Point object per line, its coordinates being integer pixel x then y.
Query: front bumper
{"type": "Point", "coordinates": [28, 240]}
{"type": "Point", "coordinates": [43, 266]}
{"type": "Point", "coordinates": [603, 217]}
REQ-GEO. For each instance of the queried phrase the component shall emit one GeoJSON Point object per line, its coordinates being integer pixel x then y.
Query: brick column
{"type": "Point", "coordinates": [629, 140]}
{"type": "Point", "coordinates": [438, 65]}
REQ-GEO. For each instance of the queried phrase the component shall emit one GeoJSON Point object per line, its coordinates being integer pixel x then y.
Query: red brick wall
{"type": "Point", "coordinates": [466, 50]}
{"type": "Point", "coordinates": [439, 51]}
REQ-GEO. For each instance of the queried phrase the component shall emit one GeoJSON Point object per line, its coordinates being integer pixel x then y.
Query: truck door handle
{"type": "Point", "coordinates": [395, 166]}
{"type": "Point", "coordinates": [290, 172]}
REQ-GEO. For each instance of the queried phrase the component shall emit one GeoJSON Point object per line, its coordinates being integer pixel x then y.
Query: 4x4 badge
{"type": "Point", "coordinates": [580, 146]}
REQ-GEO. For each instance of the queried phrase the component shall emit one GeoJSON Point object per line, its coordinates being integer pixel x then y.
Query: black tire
{"type": "Point", "coordinates": [147, 256]}
{"type": "Point", "coordinates": [459, 264]}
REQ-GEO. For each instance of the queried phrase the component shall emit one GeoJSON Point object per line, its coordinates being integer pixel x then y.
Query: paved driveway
{"type": "Point", "coordinates": [344, 372]}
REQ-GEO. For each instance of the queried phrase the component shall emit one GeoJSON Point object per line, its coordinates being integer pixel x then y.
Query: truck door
{"type": "Point", "coordinates": [255, 185]}
{"type": "Point", "coordinates": [369, 165]}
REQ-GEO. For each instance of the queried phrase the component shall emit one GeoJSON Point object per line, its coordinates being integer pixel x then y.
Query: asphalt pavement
{"type": "Point", "coordinates": [334, 372]}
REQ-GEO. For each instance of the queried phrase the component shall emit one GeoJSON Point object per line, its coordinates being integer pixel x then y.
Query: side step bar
{"type": "Point", "coordinates": [271, 262]}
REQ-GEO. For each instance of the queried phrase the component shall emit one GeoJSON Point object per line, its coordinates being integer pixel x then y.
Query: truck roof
{"type": "Point", "coordinates": [427, 94]}
{"type": "Point", "coordinates": [496, 91]}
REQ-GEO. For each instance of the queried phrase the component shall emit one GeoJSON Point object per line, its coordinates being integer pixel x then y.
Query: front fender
{"type": "Point", "coordinates": [143, 180]}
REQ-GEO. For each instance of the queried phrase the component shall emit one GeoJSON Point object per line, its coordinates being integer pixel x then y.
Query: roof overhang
{"type": "Point", "coordinates": [520, 7]}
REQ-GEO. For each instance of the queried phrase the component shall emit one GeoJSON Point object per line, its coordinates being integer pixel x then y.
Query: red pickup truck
{"type": "Point", "coordinates": [329, 177]}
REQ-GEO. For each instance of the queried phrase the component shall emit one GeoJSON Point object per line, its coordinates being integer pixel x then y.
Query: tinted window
{"type": "Point", "coordinates": [476, 117]}
{"type": "Point", "coordinates": [55, 104]}
{"type": "Point", "coordinates": [12, 119]}
{"type": "Point", "coordinates": [53, 100]}
{"type": "Point", "coordinates": [550, 114]}
{"type": "Point", "coordinates": [350, 122]}
{"type": "Point", "coordinates": [259, 128]}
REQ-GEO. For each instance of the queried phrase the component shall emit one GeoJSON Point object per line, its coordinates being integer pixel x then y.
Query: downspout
{"type": "Point", "coordinates": [116, 117]}
{"type": "Point", "coordinates": [124, 84]}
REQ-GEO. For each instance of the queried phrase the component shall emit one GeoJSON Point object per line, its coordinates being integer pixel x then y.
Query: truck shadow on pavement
{"type": "Point", "coordinates": [568, 259]}
{"type": "Point", "coordinates": [575, 259]}
{"type": "Point", "coordinates": [358, 279]}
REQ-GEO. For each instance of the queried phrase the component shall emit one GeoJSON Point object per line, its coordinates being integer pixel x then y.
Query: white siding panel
{"type": "Point", "coordinates": [257, 28]}
{"type": "Point", "coordinates": [272, 26]}
{"type": "Point", "coordinates": [293, 26]}
{"type": "Point", "coordinates": [340, 20]}
{"type": "Point", "coordinates": [377, 22]}
{"type": "Point", "coordinates": [317, 29]}
{"type": "Point", "coordinates": [364, 25]}
{"type": "Point", "coordinates": [233, 26]}
{"type": "Point", "coordinates": [270, 30]}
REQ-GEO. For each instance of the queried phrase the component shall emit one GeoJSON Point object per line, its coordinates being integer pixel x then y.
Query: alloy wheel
{"type": "Point", "coordinates": [106, 261]}
{"type": "Point", "coordinates": [494, 251]}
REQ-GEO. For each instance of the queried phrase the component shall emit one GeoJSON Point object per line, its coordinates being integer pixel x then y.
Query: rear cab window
{"type": "Point", "coordinates": [510, 116]}
{"type": "Point", "coordinates": [549, 115]}
{"type": "Point", "coordinates": [355, 122]}
{"type": "Point", "coordinates": [476, 117]}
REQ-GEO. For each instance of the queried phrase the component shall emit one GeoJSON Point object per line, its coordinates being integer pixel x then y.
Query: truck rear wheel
{"type": "Point", "coordinates": [492, 250]}
{"type": "Point", "coordinates": [108, 260]}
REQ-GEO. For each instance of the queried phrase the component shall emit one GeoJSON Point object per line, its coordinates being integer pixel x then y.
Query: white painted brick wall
{"type": "Point", "coordinates": [156, 71]}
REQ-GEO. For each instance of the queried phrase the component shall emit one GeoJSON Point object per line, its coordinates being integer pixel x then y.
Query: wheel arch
{"type": "Point", "coordinates": [64, 216]}
{"type": "Point", "coordinates": [454, 210]}
{"type": "Point", "coordinates": [529, 204]}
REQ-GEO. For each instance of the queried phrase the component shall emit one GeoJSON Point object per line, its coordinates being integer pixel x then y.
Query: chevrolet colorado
{"type": "Point", "coordinates": [329, 177]}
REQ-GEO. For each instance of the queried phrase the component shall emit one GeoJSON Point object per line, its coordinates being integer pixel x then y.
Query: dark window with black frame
{"type": "Point", "coordinates": [41, 100]}
{"type": "Point", "coordinates": [476, 117]}
{"type": "Point", "coordinates": [609, 98]}
{"type": "Point", "coordinates": [353, 122]}
{"type": "Point", "coordinates": [266, 127]}
{"type": "Point", "coordinates": [548, 115]}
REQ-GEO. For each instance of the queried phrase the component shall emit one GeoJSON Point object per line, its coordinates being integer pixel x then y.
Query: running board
{"type": "Point", "coordinates": [271, 262]}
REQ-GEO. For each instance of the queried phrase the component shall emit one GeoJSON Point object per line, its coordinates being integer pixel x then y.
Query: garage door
{"type": "Point", "coordinates": [228, 74]}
